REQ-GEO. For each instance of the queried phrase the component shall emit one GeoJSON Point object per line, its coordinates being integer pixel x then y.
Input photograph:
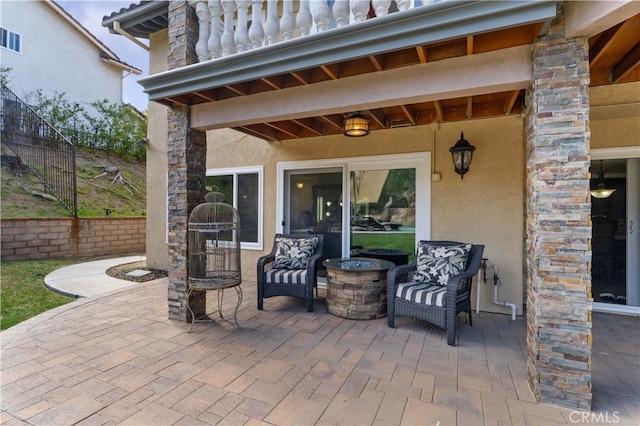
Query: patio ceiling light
{"type": "Point", "coordinates": [355, 125]}
{"type": "Point", "coordinates": [601, 191]}
{"type": "Point", "coordinates": [462, 153]}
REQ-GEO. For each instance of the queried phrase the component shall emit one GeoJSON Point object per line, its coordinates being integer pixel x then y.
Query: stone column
{"type": "Point", "coordinates": [187, 166]}
{"type": "Point", "coordinates": [558, 222]}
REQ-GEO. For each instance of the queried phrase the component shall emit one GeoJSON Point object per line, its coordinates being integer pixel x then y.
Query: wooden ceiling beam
{"type": "Point", "coordinates": [171, 102]}
{"type": "Point", "coordinates": [333, 71]}
{"type": "Point", "coordinates": [311, 125]}
{"type": "Point", "coordinates": [261, 132]}
{"type": "Point", "coordinates": [511, 101]}
{"type": "Point", "coordinates": [410, 116]}
{"type": "Point", "coordinates": [379, 117]}
{"type": "Point", "coordinates": [439, 110]}
{"type": "Point", "coordinates": [488, 109]}
{"type": "Point", "coordinates": [205, 96]}
{"type": "Point", "coordinates": [377, 62]}
{"type": "Point", "coordinates": [333, 120]}
{"type": "Point", "coordinates": [301, 76]}
{"type": "Point", "coordinates": [238, 90]}
{"type": "Point", "coordinates": [626, 64]}
{"type": "Point", "coordinates": [287, 128]}
{"type": "Point", "coordinates": [469, 106]}
{"type": "Point", "coordinates": [422, 54]}
{"type": "Point", "coordinates": [269, 82]}
{"type": "Point", "coordinates": [470, 45]}
{"type": "Point", "coordinates": [597, 51]}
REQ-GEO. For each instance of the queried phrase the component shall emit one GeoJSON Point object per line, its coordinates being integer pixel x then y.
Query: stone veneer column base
{"type": "Point", "coordinates": [558, 224]}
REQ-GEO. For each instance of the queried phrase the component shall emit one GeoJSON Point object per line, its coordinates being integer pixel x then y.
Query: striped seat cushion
{"type": "Point", "coordinates": [286, 276]}
{"type": "Point", "coordinates": [423, 293]}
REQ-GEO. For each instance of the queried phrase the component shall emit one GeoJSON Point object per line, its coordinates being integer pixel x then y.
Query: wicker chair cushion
{"type": "Point", "coordinates": [286, 276]}
{"type": "Point", "coordinates": [423, 293]}
{"type": "Point", "coordinates": [294, 253]}
{"type": "Point", "coordinates": [436, 264]}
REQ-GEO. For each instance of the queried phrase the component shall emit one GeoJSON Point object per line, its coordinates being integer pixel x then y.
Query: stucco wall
{"type": "Point", "coordinates": [485, 208]}
{"type": "Point", "coordinates": [157, 254]}
{"type": "Point", "coordinates": [615, 116]}
{"type": "Point", "coordinates": [55, 56]}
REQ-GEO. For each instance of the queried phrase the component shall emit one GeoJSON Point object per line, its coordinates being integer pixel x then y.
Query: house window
{"type": "Point", "coordinates": [10, 40]}
{"type": "Point", "coordinates": [242, 188]}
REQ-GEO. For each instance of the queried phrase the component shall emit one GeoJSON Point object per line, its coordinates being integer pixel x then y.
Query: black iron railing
{"type": "Point", "coordinates": [40, 147]}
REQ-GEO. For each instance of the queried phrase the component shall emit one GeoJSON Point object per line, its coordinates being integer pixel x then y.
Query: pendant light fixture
{"type": "Point", "coordinates": [601, 191]}
{"type": "Point", "coordinates": [355, 125]}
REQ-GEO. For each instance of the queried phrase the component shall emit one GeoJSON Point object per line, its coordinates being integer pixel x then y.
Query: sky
{"type": "Point", "coordinates": [90, 13]}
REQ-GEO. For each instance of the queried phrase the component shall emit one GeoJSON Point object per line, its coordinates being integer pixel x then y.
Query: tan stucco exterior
{"type": "Point", "coordinates": [486, 207]}
{"type": "Point", "coordinates": [157, 254]}
{"type": "Point", "coordinates": [615, 116]}
{"type": "Point", "coordinates": [493, 188]}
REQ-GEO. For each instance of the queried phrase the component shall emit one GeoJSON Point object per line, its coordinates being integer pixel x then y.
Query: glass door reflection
{"type": "Point", "coordinates": [383, 213]}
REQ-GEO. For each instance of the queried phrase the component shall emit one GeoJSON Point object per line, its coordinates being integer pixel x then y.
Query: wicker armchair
{"type": "Point", "coordinates": [410, 294]}
{"type": "Point", "coordinates": [278, 276]}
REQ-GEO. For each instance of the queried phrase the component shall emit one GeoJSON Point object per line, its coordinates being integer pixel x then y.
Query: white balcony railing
{"type": "Point", "coordinates": [233, 26]}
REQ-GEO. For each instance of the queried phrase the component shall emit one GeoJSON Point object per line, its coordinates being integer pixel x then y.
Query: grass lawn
{"type": "Point", "coordinates": [23, 293]}
{"type": "Point", "coordinates": [387, 240]}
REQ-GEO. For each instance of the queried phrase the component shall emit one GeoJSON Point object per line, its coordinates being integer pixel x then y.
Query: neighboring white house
{"type": "Point", "coordinates": [47, 49]}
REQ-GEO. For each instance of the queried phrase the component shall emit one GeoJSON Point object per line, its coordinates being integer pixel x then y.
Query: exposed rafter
{"type": "Point", "coordinates": [630, 61]}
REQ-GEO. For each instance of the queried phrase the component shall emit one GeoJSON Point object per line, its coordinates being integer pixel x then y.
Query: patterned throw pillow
{"type": "Point", "coordinates": [294, 253]}
{"type": "Point", "coordinates": [436, 264]}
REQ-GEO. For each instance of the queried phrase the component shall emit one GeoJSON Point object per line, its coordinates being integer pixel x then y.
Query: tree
{"type": "Point", "coordinates": [103, 125]}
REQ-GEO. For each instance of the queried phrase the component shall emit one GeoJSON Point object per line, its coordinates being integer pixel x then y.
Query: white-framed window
{"type": "Point", "coordinates": [243, 189]}
{"type": "Point", "coordinates": [10, 40]}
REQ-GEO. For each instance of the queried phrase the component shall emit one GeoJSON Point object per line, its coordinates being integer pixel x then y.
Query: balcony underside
{"type": "Point", "coordinates": [347, 53]}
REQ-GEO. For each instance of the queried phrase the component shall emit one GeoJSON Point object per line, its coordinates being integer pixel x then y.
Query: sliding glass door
{"type": "Point", "coordinates": [360, 204]}
{"type": "Point", "coordinates": [314, 205]}
{"type": "Point", "coordinates": [615, 243]}
{"type": "Point", "coordinates": [383, 212]}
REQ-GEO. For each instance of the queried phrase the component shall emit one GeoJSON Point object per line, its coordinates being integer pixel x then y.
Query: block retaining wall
{"type": "Point", "coordinates": [43, 238]}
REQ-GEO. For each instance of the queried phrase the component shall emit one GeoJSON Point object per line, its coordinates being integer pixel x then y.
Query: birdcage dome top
{"type": "Point", "coordinates": [214, 213]}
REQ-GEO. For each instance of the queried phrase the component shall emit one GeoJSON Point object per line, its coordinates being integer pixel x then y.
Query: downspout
{"type": "Point", "coordinates": [127, 73]}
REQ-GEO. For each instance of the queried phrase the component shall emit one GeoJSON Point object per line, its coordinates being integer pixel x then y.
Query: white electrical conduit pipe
{"type": "Point", "coordinates": [478, 290]}
{"type": "Point", "coordinates": [496, 282]}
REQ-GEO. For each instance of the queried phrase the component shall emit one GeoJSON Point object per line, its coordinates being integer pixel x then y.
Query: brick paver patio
{"type": "Point", "coordinates": [117, 359]}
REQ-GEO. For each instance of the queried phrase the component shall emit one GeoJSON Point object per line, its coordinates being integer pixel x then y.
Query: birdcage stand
{"type": "Point", "coordinates": [205, 318]}
{"type": "Point", "coordinates": [214, 252]}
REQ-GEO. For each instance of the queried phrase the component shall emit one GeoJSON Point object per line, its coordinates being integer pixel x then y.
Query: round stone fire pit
{"type": "Point", "coordinates": [357, 287]}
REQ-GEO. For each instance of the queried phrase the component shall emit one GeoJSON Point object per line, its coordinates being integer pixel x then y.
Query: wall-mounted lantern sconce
{"type": "Point", "coordinates": [462, 153]}
{"type": "Point", "coordinates": [355, 125]}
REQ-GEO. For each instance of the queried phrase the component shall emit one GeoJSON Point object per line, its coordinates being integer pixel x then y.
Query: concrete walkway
{"type": "Point", "coordinates": [89, 279]}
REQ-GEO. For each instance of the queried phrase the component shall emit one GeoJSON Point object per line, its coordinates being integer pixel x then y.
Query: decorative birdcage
{"type": "Point", "coordinates": [214, 249]}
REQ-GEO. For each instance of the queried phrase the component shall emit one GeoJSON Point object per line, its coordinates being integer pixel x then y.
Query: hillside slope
{"type": "Point", "coordinates": [97, 195]}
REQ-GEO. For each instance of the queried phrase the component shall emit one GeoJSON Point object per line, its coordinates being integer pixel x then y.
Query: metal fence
{"type": "Point", "coordinates": [40, 147]}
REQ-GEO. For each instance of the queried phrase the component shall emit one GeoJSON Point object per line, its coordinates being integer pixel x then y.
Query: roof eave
{"type": "Point", "coordinates": [139, 21]}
